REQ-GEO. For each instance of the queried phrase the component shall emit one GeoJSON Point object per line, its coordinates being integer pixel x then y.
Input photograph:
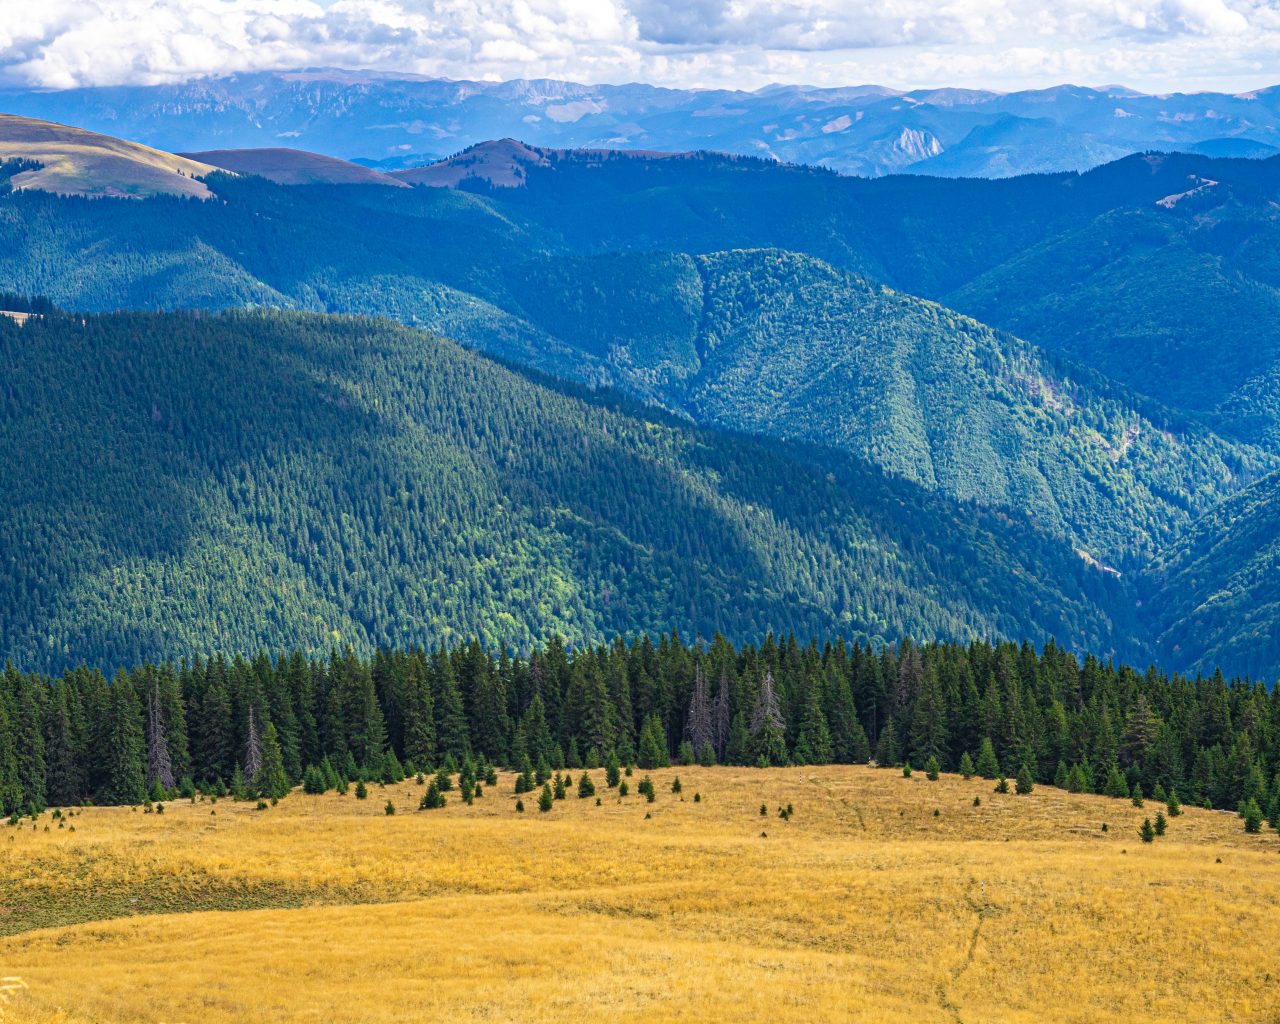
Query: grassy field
{"type": "Point", "coordinates": [865, 906]}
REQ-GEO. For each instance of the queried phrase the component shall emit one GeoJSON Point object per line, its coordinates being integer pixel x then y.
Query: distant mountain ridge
{"type": "Point", "coordinates": [383, 119]}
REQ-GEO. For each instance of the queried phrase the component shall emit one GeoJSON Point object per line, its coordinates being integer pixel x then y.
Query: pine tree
{"type": "Point", "coordinates": [586, 788]}
{"type": "Point", "coordinates": [313, 781]}
{"type": "Point", "coordinates": [1116, 785]}
{"type": "Point", "coordinates": [1025, 781]}
{"type": "Point", "coordinates": [271, 781]}
{"type": "Point", "coordinates": [419, 718]}
{"type": "Point", "coordinates": [1161, 823]}
{"type": "Point", "coordinates": [988, 766]}
{"type": "Point", "coordinates": [652, 751]}
{"type": "Point", "coordinates": [888, 753]}
{"type": "Point", "coordinates": [125, 776]}
{"type": "Point", "coordinates": [932, 768]}
{"type": "Point", "coordinates": [1252, 815]}
{"type": "Point", "coordinates": [1147, 832]}
{"type": "Point", "coordinates": [433, 798]}
{"type": "Point", "coordinates": [1174, 805]}
{"type": "Point", "coordinates": [612, 771]}
{"type": "Point", "coordinates": [545, 800]}
{"type": "Point", "coordinates": [1136, 796]}
{"type": "Point", "coordinates": [967, 769]}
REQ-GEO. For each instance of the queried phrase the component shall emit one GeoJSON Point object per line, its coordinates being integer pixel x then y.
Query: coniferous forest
{"type": "Point", "coordinates": [257, 727]}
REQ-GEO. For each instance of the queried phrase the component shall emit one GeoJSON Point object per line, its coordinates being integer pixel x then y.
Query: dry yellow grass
{"type": "Point", "coordinates": [864, 907]}
{"type": "Point", "coordinates": [79, 162]}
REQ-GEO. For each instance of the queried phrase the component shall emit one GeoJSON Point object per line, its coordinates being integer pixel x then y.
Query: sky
{"type": "Point", "coordinates": [1151, 45]}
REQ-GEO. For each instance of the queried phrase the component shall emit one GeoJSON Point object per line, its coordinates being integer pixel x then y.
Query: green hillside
{"type": "Point", "coordinates": [249, 479]}
{"type": "Point", "coordinates": [772, 343]}
{"type": "Point", "coordinates": [1215, 593]}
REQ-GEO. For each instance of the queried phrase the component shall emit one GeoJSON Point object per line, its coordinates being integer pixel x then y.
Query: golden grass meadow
{"type": "Point", "coordinates": [882, 899]}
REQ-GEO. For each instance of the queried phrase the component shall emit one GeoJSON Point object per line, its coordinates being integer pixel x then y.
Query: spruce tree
{"type": "Point", "coordinates": [967, 769]}
{"type": "Point", "coordinates": [545, 800]}
{"type": "Point", "coordinates": [988, 766]}
{"type": "Point", "coordinates": [932, 768]}
{"type": "Point", "coordinates": [1147, 832]}
{"type": "Point", "coordinates": [1025, 781]}
{"type": "Point", "coordinates": [271, 781]}
{"type": "Point", "coordinates": [586, 788]}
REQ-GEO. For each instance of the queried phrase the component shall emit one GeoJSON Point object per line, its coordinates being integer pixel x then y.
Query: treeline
{"type": "Point", "coordinates": [263, 725]}
{"type": "Point", "coordinates": [15, 303]}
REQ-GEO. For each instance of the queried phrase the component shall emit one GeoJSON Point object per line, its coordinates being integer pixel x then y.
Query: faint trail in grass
{"type": "Point", "coordinates": [944, 998]}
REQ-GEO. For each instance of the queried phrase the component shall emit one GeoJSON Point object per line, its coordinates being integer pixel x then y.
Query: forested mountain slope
{"type": "Point", "coordinates": [1215, 593]}
{"type": "Point", "coordinates": [769, 342]}
{"type": "Point", "coordinates": [174, 483]}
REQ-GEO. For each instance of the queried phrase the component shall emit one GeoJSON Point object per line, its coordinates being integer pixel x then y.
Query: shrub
{"type": "Point", "coordinates": [906, 770]}
{"type": "Point", "coordinates": [520, 807]}
{"type": "Point", "coordinates": [390, 808]}
{"type": "Point", "coordinates": [1002, 785]}
{"type": "Point", "coordinates": [697, 798]}
{"type": "Point", "coordinates": [764, 811]}
{"type": "Point", "coordinates": [675, 785]}
{"type": "Point", "coordinates": [977, 801]}
{"type": "Point", "coordinates": [623, 788]}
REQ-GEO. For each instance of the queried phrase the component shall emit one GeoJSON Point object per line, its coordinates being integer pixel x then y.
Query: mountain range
{"type": "Point", "coordinates": [1019, 403]}
{"type": "Point", "coordinates": [391, 121]}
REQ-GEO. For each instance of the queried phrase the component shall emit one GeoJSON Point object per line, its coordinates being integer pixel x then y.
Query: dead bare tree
{"type": "Point", "coordinates": [159, 767]}
{"type": "Point", "coordinates": [767, 712]}
{"type": "Point", "coordinates": [253, 748]}
{"type": "Point", "coordinates": [699, 726]}
{"type": "Point", "coordinates": [720, 722]}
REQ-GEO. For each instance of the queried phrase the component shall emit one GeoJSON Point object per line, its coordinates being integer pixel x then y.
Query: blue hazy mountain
{"type": "Point", "coordinates": [388, 121]}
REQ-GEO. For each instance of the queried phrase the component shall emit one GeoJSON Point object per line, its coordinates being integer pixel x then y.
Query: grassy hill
{"type": "Point", "coordinates": [76, 162]}
{"type": "Point", "coordinates": [881, 899]}
{"type": "Point", "coordinates": [281, 480]}
{"type": "Point", "coordinates": [294, 167]}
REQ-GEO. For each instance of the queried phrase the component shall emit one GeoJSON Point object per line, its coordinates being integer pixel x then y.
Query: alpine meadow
{"type": "Point", "coordinates": [581, 513]}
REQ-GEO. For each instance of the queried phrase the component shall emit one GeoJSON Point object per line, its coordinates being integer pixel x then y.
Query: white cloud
{"type": "Point", "coordinates": [1147, 43]}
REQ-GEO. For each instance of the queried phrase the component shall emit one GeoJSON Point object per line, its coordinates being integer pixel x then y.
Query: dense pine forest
{"type": "Point", "coordinates": [258, 727]}
{"type": "Point", "coordinates": [182, 483]}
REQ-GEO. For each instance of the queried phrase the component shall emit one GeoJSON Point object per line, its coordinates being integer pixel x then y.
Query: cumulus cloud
{"type": "Point", "coordinates": [64, 43]}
